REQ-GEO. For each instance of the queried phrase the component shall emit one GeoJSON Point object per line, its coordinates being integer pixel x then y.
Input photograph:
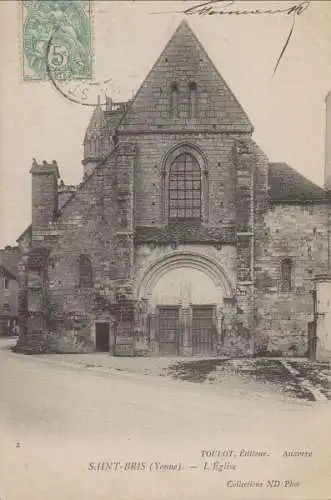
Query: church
{"type": "Point", "coordinates": [182, 239]}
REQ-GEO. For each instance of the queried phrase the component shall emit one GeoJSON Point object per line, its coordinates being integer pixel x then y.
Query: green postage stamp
{"type": "Point", "coordinates": [56, 39]}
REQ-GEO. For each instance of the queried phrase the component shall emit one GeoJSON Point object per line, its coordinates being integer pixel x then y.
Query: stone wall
{"type": "Point", "coordinates": [298, 232]}
{"type": "Point", "coordinates": [97, 222]}
{"type": "Point", "coordinates": [9, 258]}
{"type": "Point", "coordinates": [116, 219]}
{"type": "Point", "coordinates": [217, 152]}
{"type": "Point", "coordinates": [323, 319]}
{"type": "Point", "coordinates": [8, 302]}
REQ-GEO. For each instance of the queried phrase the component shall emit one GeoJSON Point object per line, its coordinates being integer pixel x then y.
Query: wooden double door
{"type": "Point", "coordinates": [199, 330]}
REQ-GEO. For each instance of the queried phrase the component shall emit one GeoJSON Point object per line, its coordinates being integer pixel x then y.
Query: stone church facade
{"type": "Point", "coordinates": [182, 238]}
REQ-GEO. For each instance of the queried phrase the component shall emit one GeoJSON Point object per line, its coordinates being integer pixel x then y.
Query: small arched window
{"type": "Point", "coordinates": [282, 186]}
{"type": "Point", "coordinates": [174, 100]}
{"type": "Point", "coordinates": [286, 275]}
{"type": "Point", "coordinates": [192, 100]}
{"type": "Point", "coordinates": [185, 188]}
{"type": "Point", "coordinates": [85, 272]}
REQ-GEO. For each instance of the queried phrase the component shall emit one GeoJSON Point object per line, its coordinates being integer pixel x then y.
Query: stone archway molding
{"type": "Point", "coordinates": [184, 147]}
{"type": "Point", "coordinates": [184, 259]}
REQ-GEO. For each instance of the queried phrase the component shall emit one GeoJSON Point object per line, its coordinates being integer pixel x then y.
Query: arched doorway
{"type": "Point", "coordinates": [184, 293]}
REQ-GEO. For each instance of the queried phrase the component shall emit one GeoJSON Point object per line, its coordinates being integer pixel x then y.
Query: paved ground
{"type": "Point", "coordinates": [295, 377]}
{"type": "Point", "coordinates": [56, 417]}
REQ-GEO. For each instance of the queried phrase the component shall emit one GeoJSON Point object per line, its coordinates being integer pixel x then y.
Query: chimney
{"type": "Point", "coordinates": [327, 171]}
{"type": "Point", "coordinates": [44, 195]}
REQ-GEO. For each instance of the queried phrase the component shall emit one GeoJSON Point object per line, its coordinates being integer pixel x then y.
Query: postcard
{"type": "Point", "coordinates": [165, 261]}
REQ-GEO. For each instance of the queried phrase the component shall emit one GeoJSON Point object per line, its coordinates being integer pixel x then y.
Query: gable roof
{"type": "Point", "coordinates": [286, 184]}
{"type": "Point", "coordinates": [184, 60]}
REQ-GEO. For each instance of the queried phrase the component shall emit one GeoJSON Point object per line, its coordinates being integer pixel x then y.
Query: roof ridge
{"type": "Point", "coordinates": [286, 184]}
{"type": "Point", "coordinates": [297, 173]}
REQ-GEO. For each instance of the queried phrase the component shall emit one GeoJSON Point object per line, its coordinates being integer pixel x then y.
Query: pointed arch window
{"type": "Point", "coordinates": [185, 188]}
{"type": "Point", "coordinates": [174, 100]}
{"type": "Point", "coordinates": [286, 271]}
{"type": "Point", "coordinates": [85, 272]}
{"type": "Point", "coordinates": [192, 100]}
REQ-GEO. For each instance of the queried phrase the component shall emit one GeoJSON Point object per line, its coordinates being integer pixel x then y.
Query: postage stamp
{"type": "Point", "coordinates": [56, 39]}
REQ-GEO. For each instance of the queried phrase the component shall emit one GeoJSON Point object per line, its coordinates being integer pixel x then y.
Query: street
{"type": "Point", "coordinates": [64, 428]}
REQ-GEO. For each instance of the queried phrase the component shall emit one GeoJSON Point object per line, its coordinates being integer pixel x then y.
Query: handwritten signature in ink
{"type": "Point", "coordinates": [225, 7]}
{"type": "Point", "coordinates": [213, 7]}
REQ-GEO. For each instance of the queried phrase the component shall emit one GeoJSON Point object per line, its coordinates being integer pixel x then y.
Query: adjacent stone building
{"type": "Point", "coordinates": [9, 258]}
{"type": "Point", "coordinates": [182, 238]}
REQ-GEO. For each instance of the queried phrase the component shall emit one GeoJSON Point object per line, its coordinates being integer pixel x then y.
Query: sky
{"type": "Point", "coordinates": [287, 109]}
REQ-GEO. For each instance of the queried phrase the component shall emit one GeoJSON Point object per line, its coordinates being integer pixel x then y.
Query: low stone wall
{"type": "Point", "coordinates": [68, 342]}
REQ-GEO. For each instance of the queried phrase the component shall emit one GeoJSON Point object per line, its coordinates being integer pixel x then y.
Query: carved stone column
{"type": "Point", "coordinates": [186, 331]}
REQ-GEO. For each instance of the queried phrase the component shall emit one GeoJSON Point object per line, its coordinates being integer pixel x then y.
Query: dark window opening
{"type": "Point", "coordinates": [85, 272]}
{"type": "Point", "coordinates": [282, 186]}
{"type": "Point", "coordinates": [192, 100]}
{"type": "Point", "coordinates": [286, 275]}
{"type": "Point", "coordinates": [174, 100]}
